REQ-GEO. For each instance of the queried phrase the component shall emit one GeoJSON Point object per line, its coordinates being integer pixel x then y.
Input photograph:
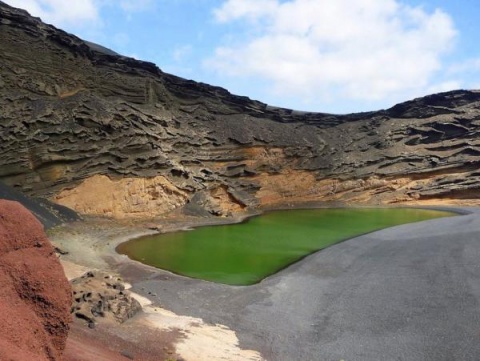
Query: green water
{"type": "Point", "coordinates": [245, 253]}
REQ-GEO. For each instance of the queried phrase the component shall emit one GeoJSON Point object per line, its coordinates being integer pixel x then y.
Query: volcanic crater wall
{"type": "Point", "coordinates": [75, 120]}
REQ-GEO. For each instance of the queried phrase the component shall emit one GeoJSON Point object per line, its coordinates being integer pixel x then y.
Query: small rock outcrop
{"type": "Point", "coordinates": [99, 296]}
{"type": "Point", "coordinates": [35, 295]}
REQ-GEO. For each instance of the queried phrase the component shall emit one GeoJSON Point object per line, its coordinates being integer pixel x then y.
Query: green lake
{"type": "Point", "coordinates": [245, 253]}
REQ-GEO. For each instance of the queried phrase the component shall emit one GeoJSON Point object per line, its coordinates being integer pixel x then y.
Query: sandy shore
{"type": "Point", "coordinates": [91, 246]}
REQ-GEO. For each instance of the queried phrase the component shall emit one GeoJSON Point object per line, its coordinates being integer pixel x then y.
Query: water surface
{"type": "Point", "coordinates": [245, 253]}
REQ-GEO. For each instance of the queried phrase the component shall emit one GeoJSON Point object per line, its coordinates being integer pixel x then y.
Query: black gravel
{"type": "Point", "coordinates": [411, 292]}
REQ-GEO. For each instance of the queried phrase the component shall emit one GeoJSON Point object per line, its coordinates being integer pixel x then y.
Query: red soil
{"type": "Point", "coordinates": [35, 296]}
{"type": "Point", "coordinates": [113, 342]}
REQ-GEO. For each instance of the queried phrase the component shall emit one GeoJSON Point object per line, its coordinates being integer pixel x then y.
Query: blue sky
{"type": "Point", "coordinates": [336, 56]}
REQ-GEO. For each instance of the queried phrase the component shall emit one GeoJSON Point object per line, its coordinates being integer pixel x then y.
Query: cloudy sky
{"type": "Point", "coordinates": [336, 56]}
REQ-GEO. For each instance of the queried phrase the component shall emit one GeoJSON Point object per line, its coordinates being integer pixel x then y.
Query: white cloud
{"type": "Point", "coordinates": [135, 5]}
{"type": "Point", "coordinates": [78, 13]}
{"type": "Point", "coordinates": [363, 49]}
{"type": "Point", "coordinates": [444, 86]}
{"type": "Point", "coordinates": [181, 52]}
{"type": "Point", "coordinates": [60, 12]}
{"type": "Point", "coordinates": [252, 9]}
{"type": "Point", "coordinates": [468, 71]}
{"type": "Point", "coordinates": [466, 66]}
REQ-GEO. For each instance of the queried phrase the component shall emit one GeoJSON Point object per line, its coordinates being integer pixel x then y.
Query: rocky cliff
{"type": "Point", "coordinates": [35, 296]}
{"type": "Point", "coordinates": [110, 135]}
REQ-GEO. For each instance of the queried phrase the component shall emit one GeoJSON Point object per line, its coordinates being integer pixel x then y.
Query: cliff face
{"type": "Point", "coordinates": [75, 118]}
{"type": "Point", "coordinates": [35, 296]}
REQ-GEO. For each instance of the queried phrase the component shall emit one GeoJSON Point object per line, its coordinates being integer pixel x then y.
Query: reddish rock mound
{"type": "Point", "coordinates": [35, 296]}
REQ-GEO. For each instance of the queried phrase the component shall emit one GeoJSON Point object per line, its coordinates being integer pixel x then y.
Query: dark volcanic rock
{"type": "Point", "coordinates": [73, 111]}
{"type": "Point", "coordinates": [48, 213]}
{"type": "Point", "coordinates": [100, 296]}
{"type": "Point", "coordinates": [35, 296]}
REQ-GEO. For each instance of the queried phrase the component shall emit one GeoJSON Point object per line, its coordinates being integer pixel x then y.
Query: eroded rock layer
{"type": "Point", "coordinates": [75, 116]}
{"type": "Point", "coordinates": [35, 296]}
{"type": "Point", "coordinates": [100, 296]}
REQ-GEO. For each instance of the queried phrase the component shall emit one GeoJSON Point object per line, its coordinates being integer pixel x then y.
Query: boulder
{"type": "Point", "coordinates": [101, 296]}
{"type": "Point", "coordinates": [35, 295]}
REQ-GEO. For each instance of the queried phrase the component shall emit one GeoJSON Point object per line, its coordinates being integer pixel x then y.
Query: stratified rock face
{"type": "Point", "coordinates": [141, 197]}
{"type": "Point", "coordinates": [73, 113]}
{"type": "Point", "coordinates": [35, 296]}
